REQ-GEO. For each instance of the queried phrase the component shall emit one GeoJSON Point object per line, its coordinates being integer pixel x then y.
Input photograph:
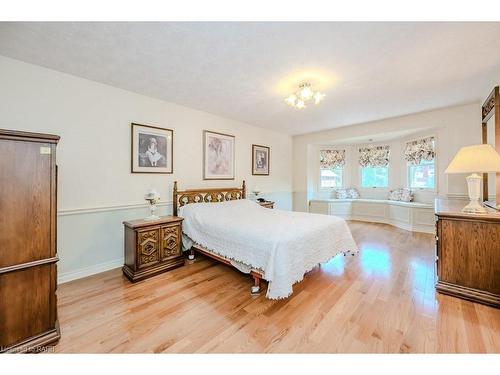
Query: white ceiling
{"type": "Point", "coordinates": [243, 71]}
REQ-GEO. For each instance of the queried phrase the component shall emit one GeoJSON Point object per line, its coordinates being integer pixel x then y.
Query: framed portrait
{"type": "Point", "coordinates": [152, 149]}
{"type": "Point", "coordinates": [218, 156]}
{"type": "Point", "coordinates": [261, 160]}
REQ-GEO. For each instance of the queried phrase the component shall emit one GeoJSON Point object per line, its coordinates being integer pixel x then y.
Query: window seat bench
{"type": "Point", "coordinates": [412, 216]}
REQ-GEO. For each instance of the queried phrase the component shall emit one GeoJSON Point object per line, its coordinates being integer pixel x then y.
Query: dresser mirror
{"type": "Point", "coordinates": [491, 135]}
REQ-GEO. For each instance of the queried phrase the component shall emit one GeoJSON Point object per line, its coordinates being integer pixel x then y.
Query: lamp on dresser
{"type": "Point", "coordinates": [475, 159]}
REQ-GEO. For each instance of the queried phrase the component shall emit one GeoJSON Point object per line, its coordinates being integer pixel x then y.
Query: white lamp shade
{"type": "Point", "coordinates": [477, 158]}
{"type": "Point", "coordinates": [151, 194]}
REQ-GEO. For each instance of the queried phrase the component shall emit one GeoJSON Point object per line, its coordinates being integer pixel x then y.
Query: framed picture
{"type": "Point", "coordinates": [261, 160]}
{"type": "Point", "coordinates": [152, 149]}
{"type": "Point", "coordinates": [218, 156]}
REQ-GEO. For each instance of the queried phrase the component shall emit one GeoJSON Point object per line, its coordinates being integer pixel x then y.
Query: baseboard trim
{"type": "Point", "coordinates": [89, 271]}
{"type": "Point", "coordinates": [471, 294]}
{"type": "Point", "coordinates": [398, 224]}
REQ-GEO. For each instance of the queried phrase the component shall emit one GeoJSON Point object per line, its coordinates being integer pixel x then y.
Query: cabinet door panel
{"type": "Point", "coordinates": [148, 247]}
{"type": "Point", "coordinates": [25, 201]}
{"type": "Point", "coordinates": [469, 254]}
{"type": "Point", "coordinates": [171, 242]}
{"type": "Point", "coordinates": [27, 303]}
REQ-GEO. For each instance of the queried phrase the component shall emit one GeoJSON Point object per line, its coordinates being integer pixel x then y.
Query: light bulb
{"type": "Point", "coordinates": [300, 104]}
{"type": "Point", "coordinates": [291, 100]}
{"type": "Point", "coordinates": [305, 92]}
{"type": "Point", "coordinates": [318, 97]}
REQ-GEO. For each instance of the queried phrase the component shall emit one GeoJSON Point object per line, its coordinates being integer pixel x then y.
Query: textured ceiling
{"type": "Point", "coordinates": [243, 71]}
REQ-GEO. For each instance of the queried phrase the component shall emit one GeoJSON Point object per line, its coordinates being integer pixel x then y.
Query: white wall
{"type": "Point", "coordinates": [96, 189]}
{"type": "Point", "coordinates": [453, 127]}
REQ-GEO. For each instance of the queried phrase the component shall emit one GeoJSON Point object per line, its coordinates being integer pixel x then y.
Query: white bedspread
{"type": "Point", "coordinates": [283, 244]}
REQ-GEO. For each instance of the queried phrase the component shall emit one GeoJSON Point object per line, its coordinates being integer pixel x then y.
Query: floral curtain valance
{"type": "Point", "coordinates": [374, 156]}
{"type": "Point", "coordinates": [420, 149]}
{"type": "Point", "coordinates": [329, 159]}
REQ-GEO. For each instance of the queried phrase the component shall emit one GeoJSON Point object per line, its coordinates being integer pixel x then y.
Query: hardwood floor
{"type": "Point", "coordinates": [380, 301]}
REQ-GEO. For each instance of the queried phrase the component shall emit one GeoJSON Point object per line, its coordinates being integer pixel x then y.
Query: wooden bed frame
{"type": "Point", "coordinates": [183, 197]}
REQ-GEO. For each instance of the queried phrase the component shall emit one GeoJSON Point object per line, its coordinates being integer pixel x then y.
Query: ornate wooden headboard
{"type": "Point", "coordinates": [182, 197]}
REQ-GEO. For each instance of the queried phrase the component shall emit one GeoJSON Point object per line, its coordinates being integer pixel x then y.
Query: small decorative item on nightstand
{"type": "Point", "coordinates": [153, 198]}
{"type": "Point", "coordinates": [256, 191]}
{"type": "Point", "coordinates": [152, 247]}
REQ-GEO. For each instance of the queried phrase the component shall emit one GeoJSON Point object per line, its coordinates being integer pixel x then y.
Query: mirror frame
{"type": "Point", "coordinates": [491, 106]}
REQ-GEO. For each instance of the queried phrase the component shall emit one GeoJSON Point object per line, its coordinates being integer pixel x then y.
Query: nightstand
{"type": "Point", "coordinates": [152, 247]}
{"type": "Point", "coordinates": [267, 204]}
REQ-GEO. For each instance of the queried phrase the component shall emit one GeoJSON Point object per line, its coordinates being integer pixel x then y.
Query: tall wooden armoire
{"type": "Point", "coordinates": [28, 256]}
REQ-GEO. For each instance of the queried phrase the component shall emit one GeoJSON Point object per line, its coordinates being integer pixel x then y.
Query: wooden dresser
{"type": "Point", "coordinates": [28, 256]}
{"type": "Point", "coordinates": [468, 253]}
{"type": "Point", "coordinates": [152, 247]}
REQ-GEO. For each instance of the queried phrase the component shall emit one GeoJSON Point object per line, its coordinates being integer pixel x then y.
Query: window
{"type": "Point", "coordinates": [375, 176]}
{"type": "Point", "coordinates": [422, 175]}
{"type": "Point", "coordinates": [331, 178]}
{"type": "Point", "coordinates": [420, 155]}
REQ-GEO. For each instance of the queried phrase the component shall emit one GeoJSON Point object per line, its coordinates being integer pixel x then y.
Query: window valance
{"type": "Point", "coordinates": [420, 149]}
{"type": "Point", "coordinates": [330, 159]}
{"type": "Point", "coordinates": [374, 156]}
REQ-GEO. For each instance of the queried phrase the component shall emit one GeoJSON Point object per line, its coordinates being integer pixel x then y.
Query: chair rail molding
{"type": "Point", "coordinates": [89, 210]}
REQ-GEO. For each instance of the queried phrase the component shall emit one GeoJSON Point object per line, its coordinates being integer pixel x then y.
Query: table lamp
{"type": "Point", "coordinates": [475, 159]}
{"type": "Point", "coordinates": [153, 198]}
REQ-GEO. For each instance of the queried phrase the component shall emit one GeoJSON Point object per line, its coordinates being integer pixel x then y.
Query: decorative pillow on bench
{"type": "Point", "coordinates": [406, 195]}
{"type": "Point", "coordinates": [394, 195]}
{"type": "Point", "coordinates": [347, 194]}
{"type": "Point", "coordinates": [401, 194]}
{"type": "Point", "coordinates": [353, 193]}
{"type": "Point", "coordinates": [342, 194]}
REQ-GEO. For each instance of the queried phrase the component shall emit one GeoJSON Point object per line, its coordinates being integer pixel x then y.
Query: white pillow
{"type": "Point", "coordinates": [401, 194]}
{"type": "Point", "coordinates": [394, 195]}
{"type": "Point", "coordinates": [342, 194]}
{"type": "Point", "coordinates": [406, 195]}
{"type": "Point", "coordinates": [353, 193]}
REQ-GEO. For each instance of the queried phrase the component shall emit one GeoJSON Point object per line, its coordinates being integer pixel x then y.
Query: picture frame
{"type": "Point", "coordinates": [218, 156]}
{"type": "Point", "coordinates": [152, 149]}
{"type": "Point", "coordinates": [261, 160]}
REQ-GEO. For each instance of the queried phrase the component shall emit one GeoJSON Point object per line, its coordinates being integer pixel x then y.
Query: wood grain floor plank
{"type": "Point", "coordinates": [380, 301]}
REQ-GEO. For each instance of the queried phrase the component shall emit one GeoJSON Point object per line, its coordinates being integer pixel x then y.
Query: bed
{"type": "Point", "coordinates": [277, 246]}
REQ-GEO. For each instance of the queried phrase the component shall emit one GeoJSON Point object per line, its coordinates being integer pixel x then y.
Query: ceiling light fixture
{"type": "Point", "coordinates": [303, 95]}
